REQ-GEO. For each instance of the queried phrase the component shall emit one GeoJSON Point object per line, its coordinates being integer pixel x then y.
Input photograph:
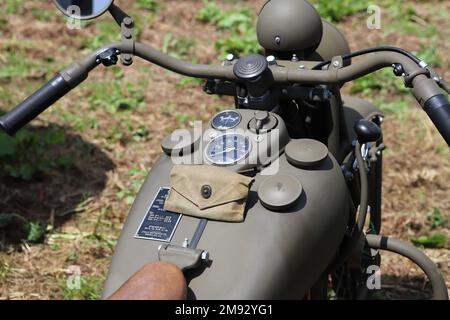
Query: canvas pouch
{"type": "Point", "coordinates": [208, 192]}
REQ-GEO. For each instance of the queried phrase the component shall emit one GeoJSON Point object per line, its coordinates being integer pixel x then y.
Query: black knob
{"type": "Point", "coordinates": [108, 57]}
{"type": "Point", "coordinates": [250, 67]}
{"type": "Point", "coordinates": [367, 131]}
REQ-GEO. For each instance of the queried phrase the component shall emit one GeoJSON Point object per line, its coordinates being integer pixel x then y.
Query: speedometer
{"type": "Point", "coordinates": [226, 120]}
{"type": "Point", "coordinates": [228, 148]}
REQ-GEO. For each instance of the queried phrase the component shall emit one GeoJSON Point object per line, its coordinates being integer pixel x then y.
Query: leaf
{"type": "Point", "coordinates": [436, 219]}
{"type": "Point", "coordinates": [36, 231]}
{"type": "Point", "coordinates": [437, 240]}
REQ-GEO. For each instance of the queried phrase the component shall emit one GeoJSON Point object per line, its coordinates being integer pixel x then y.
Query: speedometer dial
{"type": "Point", "coordinates": [228, 148]}
{"type": "Point", "coordinates": [226, 120]}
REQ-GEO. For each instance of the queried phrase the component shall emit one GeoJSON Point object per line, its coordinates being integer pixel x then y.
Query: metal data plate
{"type": "Point", "coordinates": [158, 224]}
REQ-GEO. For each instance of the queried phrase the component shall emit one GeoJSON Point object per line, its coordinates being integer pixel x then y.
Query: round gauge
{"type": "Point", "coordinates": [226, 120]}
{"type": "Point", "coordinates": [228, 148]}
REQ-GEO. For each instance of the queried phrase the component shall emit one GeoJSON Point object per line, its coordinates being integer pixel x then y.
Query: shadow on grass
{"type": "Point", "coordinates": [404, 288]}
{"type": "Point", "coordinates": [53, 194]}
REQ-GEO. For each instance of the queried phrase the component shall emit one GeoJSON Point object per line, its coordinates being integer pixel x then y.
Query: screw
{"type": "Point", "coordinates": [270, 59]}
{"type": "Point", "coordinates": [294, 57]}
{"type": "Point", "coordinates": [185, 243]}
{"type": "Point", "coordinates": [230, 57]}
{"type": "Point", "coordinates": [336, 63]}
{"type": "Point", "coordinates": [128, 22]}
{"type": "Point", "coordinates": [128, 34]}
{"type": "Point", "coordinates": [277, 40]}
{"type": "Point", "coordinates": [205, 256]}
{"type": "Point", "coordinates": [301, 67]}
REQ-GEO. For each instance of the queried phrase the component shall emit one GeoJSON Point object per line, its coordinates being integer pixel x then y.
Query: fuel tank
{"type": "Point", "coordinates": [276, 253]}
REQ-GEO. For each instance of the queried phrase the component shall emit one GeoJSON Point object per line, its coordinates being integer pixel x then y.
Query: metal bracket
{"type": "Point", "coordinates": [184, 257]}
{"type": "Point", "coordinates": [127, 28]}
{"type": "Point", "coordinates": [126, 24]}
{"type": "Point", "coordinates": [337, 62]}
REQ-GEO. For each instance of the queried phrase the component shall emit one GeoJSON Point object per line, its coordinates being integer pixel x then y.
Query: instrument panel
{"type": "Point", "coordinates": [228, 148]}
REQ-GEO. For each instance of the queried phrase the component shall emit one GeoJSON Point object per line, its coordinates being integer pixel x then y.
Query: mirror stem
{"type": "Point", "coordinates": [118, 14]}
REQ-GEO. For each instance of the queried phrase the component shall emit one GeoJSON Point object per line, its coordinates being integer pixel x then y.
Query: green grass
{"type": "Point", "coordinates": [90, 289]}
{"type": "Point", "coordinates": [116, 95]}
{"type": "Point", "coordinates": [136, 179]}
{"type": "Point", "coordinates": [13, 6]}
{"type": "Point", "coordinates": [28, 153]}
{"type": "Point", "coordinates": [336, 10]}
{"type": "Point", "coordinates": [17, 66]}
{"type": "Point", "coordinates": [150, 5]}
{"type": "Point", "coordinates": [434, 241]}
{"type": "Point", "coordinates": [239, 22]}
{"type": "Point", "coordinates": [43, 15]}
{"type": "Point", "coordinates": [178, 47]}
{"type": "Point", "coordinates": [437, 219]}
{"type": "Point", "coordinates": [107, 32]}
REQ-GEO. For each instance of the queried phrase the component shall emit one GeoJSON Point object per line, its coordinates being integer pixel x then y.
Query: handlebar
{"type": "Point", "coordinates": [35, 104]}
{"type": "Point", "coordinates": [438, 109]}
{"type": "Point", "coordinates": [426, 90]}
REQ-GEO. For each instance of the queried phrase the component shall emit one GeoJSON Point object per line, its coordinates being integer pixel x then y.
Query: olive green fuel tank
{"type": "Point", "coordinates": [273, 254]}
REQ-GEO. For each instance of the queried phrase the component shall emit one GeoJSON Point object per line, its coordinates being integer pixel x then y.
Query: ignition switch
{"type": "Point", "coordinates": [262, 122]}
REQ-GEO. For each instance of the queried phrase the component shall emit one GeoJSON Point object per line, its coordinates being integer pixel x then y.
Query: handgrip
{"type": "Point", "coordinates": [35, 104]}
{"type": "Point", "coordinates": [438, 109]}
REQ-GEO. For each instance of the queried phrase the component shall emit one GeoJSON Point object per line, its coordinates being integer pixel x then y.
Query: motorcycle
{"type": "Point", "coordinates": [280, 196]}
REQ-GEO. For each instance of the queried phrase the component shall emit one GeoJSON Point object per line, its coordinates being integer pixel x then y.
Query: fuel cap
{"type": "Point", "coordinates": [180, 142]}
{"type": "Point", "coordinates": [306, 153]}
{"type": "Point", "coordinates": [279, 192]}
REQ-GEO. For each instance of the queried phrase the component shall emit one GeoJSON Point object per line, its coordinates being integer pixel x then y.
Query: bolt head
{"type": "Point", "coordinates": [270, 59]}
{"type": "Point", "coordinates": [205, 256]}
{"type": "Point", "coordinates": [336, 63]}
{"type": "Point", "coordinates": [230, 57]}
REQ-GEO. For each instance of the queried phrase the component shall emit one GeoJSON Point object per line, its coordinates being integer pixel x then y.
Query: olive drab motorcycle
{"type": "Point", "coordinates": [278, 197]}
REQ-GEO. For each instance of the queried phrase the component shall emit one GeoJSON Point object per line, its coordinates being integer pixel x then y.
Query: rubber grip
{"type": "Point", "coordinates": [34, 105]}
{"type": "Point", "coordinates": [438, 109]}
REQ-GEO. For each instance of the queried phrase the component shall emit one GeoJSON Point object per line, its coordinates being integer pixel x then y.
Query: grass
{"type": "Point", "coordinates": [4, 271]}
{"type": "Point", "coordinates": [116, 95]}
{"type": "Point", "coordinates": [178, 47]}
{"type": "Point", "coordinates": [29, 153]}
{"type": "Point", "coordinates": [437, 219]}
{"type": "Point", "coordinates": [136, 178]}
{"type": "Point", "coordinates": [150, 5]}
{"type": "Point", "coordinates": [90, 288]}
{"type": "Point", "coordinates": [336, 10]}
{"type": "Point", "coordinates": [14, 6]}
{"type": "Point", "coordinates": [239, 22]}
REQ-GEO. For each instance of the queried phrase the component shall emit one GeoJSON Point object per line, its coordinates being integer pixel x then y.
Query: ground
{"type": "Point", "coordinates": [97, 144]}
